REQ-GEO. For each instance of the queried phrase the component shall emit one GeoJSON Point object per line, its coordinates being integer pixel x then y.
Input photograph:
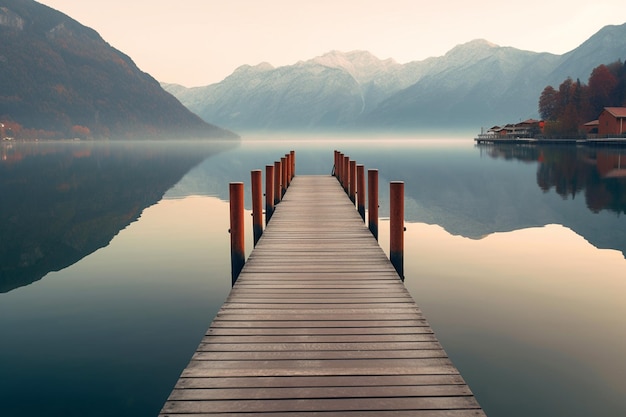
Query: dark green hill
{"type": "Point", "coordinates": [58, 77]}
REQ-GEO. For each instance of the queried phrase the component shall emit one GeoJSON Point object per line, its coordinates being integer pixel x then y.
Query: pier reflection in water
{"type": "Point", "coordinates": [515, 254]}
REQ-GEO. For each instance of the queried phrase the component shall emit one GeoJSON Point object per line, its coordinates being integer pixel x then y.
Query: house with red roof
{"type": "Point", "coordinates": [612, 121]}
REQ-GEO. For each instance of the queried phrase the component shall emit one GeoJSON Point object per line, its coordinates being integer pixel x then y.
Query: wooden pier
{"type": "Point", "coordinates": [318, 323]}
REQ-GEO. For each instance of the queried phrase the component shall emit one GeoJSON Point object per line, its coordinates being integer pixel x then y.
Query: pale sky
{"type": "Point", "coordinates": [200, 42]}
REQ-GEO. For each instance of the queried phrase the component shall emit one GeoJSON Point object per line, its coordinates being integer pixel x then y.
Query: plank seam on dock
{"type": "Point", "coordinates": [319, 324]}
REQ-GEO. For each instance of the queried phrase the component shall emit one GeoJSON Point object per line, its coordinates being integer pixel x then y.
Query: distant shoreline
{"type": "Point", "coordinates": [611, 141]}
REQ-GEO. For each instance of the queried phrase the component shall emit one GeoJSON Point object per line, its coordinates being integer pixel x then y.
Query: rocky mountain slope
{"type": "Point", "coordinates": [60, 79]}
{"type": "Point", "coordinates": [474, 84]}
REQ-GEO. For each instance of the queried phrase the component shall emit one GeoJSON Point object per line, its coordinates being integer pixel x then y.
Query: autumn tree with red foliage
{"type": "Point", "coordinates": [576, 103]}
{"type": "Point", "coordinates": [81, 132]}
{"type": "Point", "coordinates": [602, 85]}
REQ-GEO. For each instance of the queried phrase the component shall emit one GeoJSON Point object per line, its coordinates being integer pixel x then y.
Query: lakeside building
{"type": "Point", "coordinates": [611, 121]}
{"type": "Point", "coordinates": [526, 129]}
{"type": "Point", "coordinates": [610, 124]}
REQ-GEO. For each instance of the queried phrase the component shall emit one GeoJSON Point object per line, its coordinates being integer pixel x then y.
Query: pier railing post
{"type": "Point", "coordinates": [293, 163]}
{"type": "Point", "coordinates": [237, 236]}
{"type": "Point", "coordinates": [396, 226]}
{"type": "Point", "coordinates": [269, 192]}
{"type": "Point", "coordinates": [257, 204]}
{"type": "Point", "coordinates": [360, 190]}
{"type": "Point", "coordinates": [372, 205]}
{"type": "Point", "coordinates": [277, 183]}
{"type": "Point", "coordinates": [352, 185]}
{"type": "Point", "coordinates": [283, 181]}
{"type": "Point", "coordinates": [340, 167]}
{"type": "Point", "coordinates": [346, 173]}
{"type": "Point", "coordinates": [288, 170]}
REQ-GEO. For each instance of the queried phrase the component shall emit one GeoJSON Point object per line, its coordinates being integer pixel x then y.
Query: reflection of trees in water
{"type": "Point", "coordinates": [525, 153]}
{"type": "Point", "coordinates": [563, 170]}
{"type": "Point", "coordinates": [61, 202]}
{"type": "Point", "coordinates": [599, 173]}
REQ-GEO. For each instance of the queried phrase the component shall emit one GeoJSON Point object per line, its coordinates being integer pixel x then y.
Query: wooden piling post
{"type": "Point", "coordinates": [372, 206]}
{"type": "Point", "coordinates": [340, 168]}
{"type": "Point", "coordinates": [257, 204]}
{"type": "Point", "coordinates": [269, 192]}
{"type": "Point", "coordinates": [335, 170]}
{"type": "Point", "coordinates": [360, 190]}
{"type": "Point", "coordinates": [346, 173]}
{"type": "Point", "coordinates": [293, 163]}
{"type": "Point", "coordinates": [396, 226]}
{"type": "Point", "coordinates": [352, 185]}
{"type": "Point", "coordinates": [288, 169]}
{"type": "Point", "coordinates": [283, 181]}
{"type": "Point", "coordinates": [237, 239]}
{"type": "Point", "coordinates": [277, 182]}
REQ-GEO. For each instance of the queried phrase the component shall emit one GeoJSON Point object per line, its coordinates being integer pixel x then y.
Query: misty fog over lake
{"type": "Point", "coordinates": [114, 259]}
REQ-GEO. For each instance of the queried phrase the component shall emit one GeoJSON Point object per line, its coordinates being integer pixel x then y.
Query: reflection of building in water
{"type": "Point", "coordinates": [9, 154]}
{"type": "Point", "coordinates": [611, 165]}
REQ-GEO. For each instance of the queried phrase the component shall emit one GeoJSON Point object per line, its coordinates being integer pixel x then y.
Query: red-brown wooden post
{"type": "Point", "coordinates": [269, 192]}
{"type": "Point", "coordinates": [237, 237]}
{"type": "Point", "coordinates": [396, 226]}
{"type": "Point", "coordinates": [360, 190]}
{"type": "Point", "coordinates": [277, 182]}
{"type": "Point", "coordinates": [288, 170]}
{"type": "Point", "coordinates": [340, 167]}
{"type": "Point", "coordinates": [293, 163]}
{"type": "Point", "coordinates": [372, 205]}
{"type": "Point", "coordinates": [257, 204]}
{"type": "Point", "coordinates": [346, 173]}
{"type": "Point", "coordinates": [283, 181]}
{"type": "Point", "coordinates": [335, 167]}
{"type": "Point", "coordinates": [352, 185]}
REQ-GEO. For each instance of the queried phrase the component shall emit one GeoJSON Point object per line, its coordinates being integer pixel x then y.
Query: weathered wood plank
{"type": "Point", "coordinates": [343, 413]}
{"type": "Point", "coordinates": [326, 381]}
{"type": "Point", "coordinates": [328, 324]}
{"type": "Point", "coordinates": [262, 347]}
{"type": "Point", "coordinates": [339, 404]}
{"type": "Point", "coordinates": [295, 292]}
{"type": "Point", "coordinates": [318, 354]}
{"type": "Point", "coordinates": [330, 313]}
{"type": "Point", "coordinates": [322, 338]}
{"type": "Point", "coordinates": [319, 324]}
{"type": "Point", "coordinates": [302, 315]}
{"type": "Point", "coordinates": [310, 331]}
{"type": "Point", "coordinates": [320, 392]}
{"type": "Point", "coordinates": [244, 297]}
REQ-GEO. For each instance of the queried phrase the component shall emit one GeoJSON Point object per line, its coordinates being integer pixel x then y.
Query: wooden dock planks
{"type": "Point", "coordinates": [319, 324]}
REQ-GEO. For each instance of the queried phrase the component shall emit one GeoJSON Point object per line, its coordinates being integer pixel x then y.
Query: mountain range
{"type": "Point", "coordinates": [60, 79]}
{"type": "Point", "coordinates": [475, 84]}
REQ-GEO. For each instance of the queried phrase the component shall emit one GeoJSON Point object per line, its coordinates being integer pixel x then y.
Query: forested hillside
{"type": "Point", "coordinates": [60, 79]}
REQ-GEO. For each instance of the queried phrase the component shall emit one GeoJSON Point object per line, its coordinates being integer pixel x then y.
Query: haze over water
{"type": "Point", "coordinates": [515, 255]}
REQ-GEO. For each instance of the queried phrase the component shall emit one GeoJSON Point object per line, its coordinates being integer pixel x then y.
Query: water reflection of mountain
{"type": "Point", "coordinates": [469, 191]}
{"type": "Point", "coordinates": [61, 202]}
{"type": "Point", "coordinates": [598, 174]}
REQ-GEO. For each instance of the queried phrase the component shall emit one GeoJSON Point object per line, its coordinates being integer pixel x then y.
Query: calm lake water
{"type": "Point", "coordinates": [114, 259]}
